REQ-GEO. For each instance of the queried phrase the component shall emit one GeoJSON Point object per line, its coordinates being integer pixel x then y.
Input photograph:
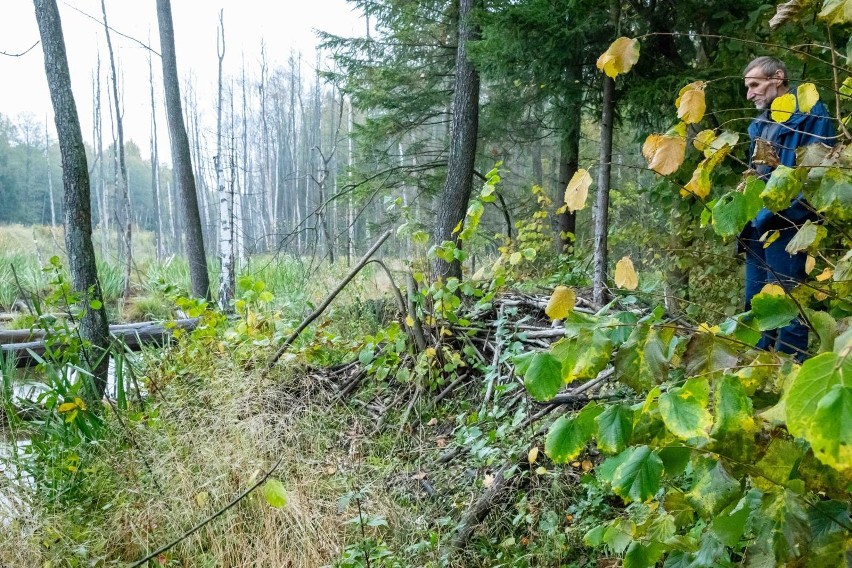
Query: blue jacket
{"type": "Point", "coordinates": [800, 129]}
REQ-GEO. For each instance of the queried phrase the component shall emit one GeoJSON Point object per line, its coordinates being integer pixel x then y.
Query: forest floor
{"type": "Point", "coordinates": [396, 458]}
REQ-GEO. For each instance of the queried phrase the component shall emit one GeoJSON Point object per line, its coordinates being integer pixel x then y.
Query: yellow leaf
{"type": "Point", "coordinates": [703, 139]}
{"type": "Point", "coordinates": [773, 290]}
{"type": "Point", "coordinates": [80, 404]}
{"type": "Point", "coordinates": [664, 153]}
{"type": "Point", "coordinates": [515, 258]}
{"type": "Point", "coordinates": [699, 184]}
{"type": "Point", "coordinates": [202, 498]}
{"type": "Point", "coordinates": [430, 352]}
{"type": "Point", "coordinates": [808, 96]}
{"type": "Point", "coordinates": [625, 275]}
{"type": "Point", "coordinates": [620, 57]}
{"type": "Point", "coordinates": [586, 465]}
{"type": "Point", "coordinates": [577, 190]}
{"type": "Point", "coordinates": [783, 107]}
{"type": "Point", "coordinates": [409, 321]}
{"type": "Point", "coordinates": [67, 406]}
{"type": "Point", "coordinates": [561, 303]}
{"type": "Point", "coordinates": [810, 263]}
{"type": "Point", "coordinates": [769, 237]}
{"type": "Point", "coordinates": [532, 455]}
{"type": "Point", "coordinates": [458, 227]}
{"type": "Point", "coordinates": [541, 470]}
{"type": "Point", "coordinates": [690, 103]}
{"type": "Point", "coordinates": [824, 275]}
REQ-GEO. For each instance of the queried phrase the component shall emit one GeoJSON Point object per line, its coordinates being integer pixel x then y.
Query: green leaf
{"type": "Point", "coordinates": [729, 525]}
{"type": "Point", "coordinates": [708, 354]}
{"type": "Point", "coordinates": [589, 355]}
{"type": "Point", "coordinates": [732, 409]}
{"type": "Point", "coordinates": [543, 377]}
{"type": "Point", "coordinates": [742, 328]}
{"type": "Point", "coordinates": [827, 517]}
{"type": "Point", "coordinates": [804, 401]}
{"type": "Point", "coordinates": [96, 304]}
{"type": "Point", "coordinates": [772, 311]}
{"type": "Point", "coordinates": [833, 197]}
{"type": "Point", "coordinates": [275, 493]}
{"type": "Point", "coordinates": [675, 459]}
{"type": "Point", "coordinates": [568, 436]}
{"type": "Point", "coordinates": [785, 525]}
{"type": "Point", "coordinates": [638, 477]}
{"type": "Point", "coordinates": [807, 237]}
{"type": "Point", "coordinates": [733, 210]}
{"type": "Point", "coordinates": [614, 426]}
{"type": "Point", "coordinates": [783, 186]}
{"type": "Point", "coordinates": [643, 361]}
{"type": "Point", "coordinates": [684, 410]}
{"type": "Point", "coordinates": [522, 362]}
{"type": "Point", "coordinates": [777, 465]}
{"type": "Point", "coordinates": [619, 534]}
{"type": "Point", "coordinates": [594, 537]}
{"type": "Point", "coordinates": [642, 556]}
{"type": "Point", "coordinates": [606, 471]}
{"type": "Point", "coordinates": [831, 433]}
{"type": "Point", "coordinates": [825, 327]}
{"type": "Point", "coordinates": [713, 489]}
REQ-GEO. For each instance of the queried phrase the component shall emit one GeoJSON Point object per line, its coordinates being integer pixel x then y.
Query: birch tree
{"type": "Point", "coordinates": [226, 198]}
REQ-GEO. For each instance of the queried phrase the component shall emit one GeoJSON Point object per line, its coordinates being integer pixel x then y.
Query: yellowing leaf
{"type": "Point", "coordinates": [703, 139]}
{"type": "Point", "coordinates": [620, 57]}
{"type": "Point", "coordinates": [690, 103]}
{"type": "Point", "coordinates": [561, 303]}
{"type": "Point", "coordinates": [773, 290]}
{"type": "Point", "coordinates": [67, 406]}
{"type": "Point", "coordinates": [824, 275]}
{"type": "Point", "coordinates": [430, 352]}
{"type": "Point", "coordinates": [409, 321]}
{"type": "Point", "coordinates": [836, 11]}
{"type": "Point", "coordinates": [699, 185]}
{"type": "Point", "coordinates": [810, 263]}
{"type": "Point", "coordinates": [577, 190]}
{"type": "Point", "coordinates": [783, 107]}
{"type": "Point", "coordinates": [532, 455]}
{"type": "Point", "coordinates": [515, 258]}
{"type": "Point", "coordinates": [664, 153]}
{"type": "Point", "coordinates": [625, 275]}
{"type": "Point", "coordinates": [808, 96]}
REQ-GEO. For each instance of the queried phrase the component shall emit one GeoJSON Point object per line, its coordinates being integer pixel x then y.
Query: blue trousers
{"type": "Point", "coordinates": [775, 265]}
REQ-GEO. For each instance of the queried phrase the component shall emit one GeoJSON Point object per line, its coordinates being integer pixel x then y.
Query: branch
{"type": "Point", "coordinates": [307, 321]}
{"type": "Point", "coordinates": [218, 513]}
{"type": "Point", "coordinates": [26, 51]}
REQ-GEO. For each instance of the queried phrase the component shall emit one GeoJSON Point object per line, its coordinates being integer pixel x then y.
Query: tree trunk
{"type": "Point", "coordinates": [155, 170]}
{"type": "Point", "coordinates": [181, 157]}
{"type": "Point", "coordinates": [75, 180]}
{"type": "Point", "coordinates": [458, 185]}
{"type": "Point", "coordinates": [569, 162]}
{"type": "Point", "coordinates": [226, 198]}
{"type": "Point", "coordinates": [599, 293]}
{"type": "Point", "coordinates": [122, 190]}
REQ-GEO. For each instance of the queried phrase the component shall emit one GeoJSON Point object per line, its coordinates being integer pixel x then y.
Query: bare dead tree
{"type": "Point", "coordinates": [122, 188]}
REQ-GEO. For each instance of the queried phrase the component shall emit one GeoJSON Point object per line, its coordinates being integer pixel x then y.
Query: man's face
{"type": "Point", "coordinates": [762, 90]}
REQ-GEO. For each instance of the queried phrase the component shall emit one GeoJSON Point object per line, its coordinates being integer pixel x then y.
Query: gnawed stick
{"type": "Point", "coordinates": [479, 509]}
{"type": "Point", "coordinates": [317, 312]}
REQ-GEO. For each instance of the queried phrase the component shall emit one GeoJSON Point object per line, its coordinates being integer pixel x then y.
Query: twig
{"type": "Point", "coordinates": [26, 51]}
{"type": "Point", "coordinates": [450, 388]}
{"type": "Point", "coordinates": [218, 513]}
{"type": "Point", "coordinates": [307, 321]}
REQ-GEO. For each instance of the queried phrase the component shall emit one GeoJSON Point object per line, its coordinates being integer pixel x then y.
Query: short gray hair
{"type": "Point", "coordinates": [768, 66]}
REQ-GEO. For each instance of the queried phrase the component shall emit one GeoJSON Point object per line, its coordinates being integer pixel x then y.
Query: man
{"type": "Point", "coordinates": [766, 79]}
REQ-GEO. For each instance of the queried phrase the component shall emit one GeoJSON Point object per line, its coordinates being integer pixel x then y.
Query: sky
{"type": "Point", "coordinates": [283, 26]}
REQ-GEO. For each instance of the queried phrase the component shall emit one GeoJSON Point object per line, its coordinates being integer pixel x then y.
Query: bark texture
{"type": "Point", "coordinates": [458, 185]}
{"type": "Point", "coordinates": [182, 162]}
{"type": "Point", "coordinates": [75, 181]}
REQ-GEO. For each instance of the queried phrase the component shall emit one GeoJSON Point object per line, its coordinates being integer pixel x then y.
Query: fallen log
{"type": "Point", "coordinates": [23, 344]}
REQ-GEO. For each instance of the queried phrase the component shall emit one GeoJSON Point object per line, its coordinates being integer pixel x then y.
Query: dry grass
{"type": "Point", "coordinates": [214, 436]}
